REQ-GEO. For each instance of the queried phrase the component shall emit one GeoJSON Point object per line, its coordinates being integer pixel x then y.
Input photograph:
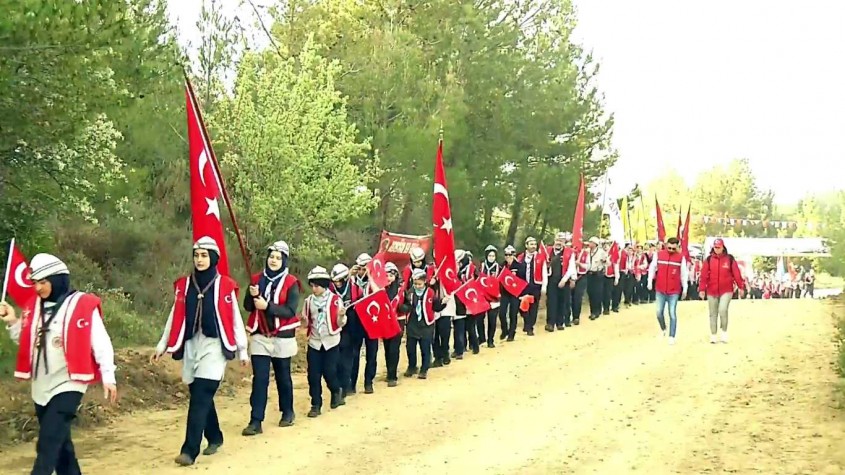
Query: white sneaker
{"type": "Point", "coordinates": [724, 337]}
{"type": "Point", "coordinates": [712, 338]}
{"type": "Point", "coordinates": [671, 340]}
{"type": "Point", "coordinates": [664, 333]}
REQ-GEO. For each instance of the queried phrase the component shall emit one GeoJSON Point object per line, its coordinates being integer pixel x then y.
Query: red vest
{"type": "Point", "coordinates": [406, 276]}
{"type": "Point", "coordinates": [427, 306]}
{"type": "Point", "coordinates": [395, 302]}
{"type": "Point", "coordinates": [610, 270]}
{"type": "Point", "coordinates": [76, 338]}
{"type": "Point", "coordinates": [583, 261]}
{"type": "Point", "coordinates": [639, 263]}
{"type": "Point", "coordinates": [667, 281]}
{"type": "Point", "coordinates": [335, 304]}
{"type": "Point", "coordinates": [625, 262]}
{"type": "Point", "coordinates": [538, 262]}
{"type": "Point", "coordinates": [224, 306]}
{"type": "Point", "coordinates": [280, 297]}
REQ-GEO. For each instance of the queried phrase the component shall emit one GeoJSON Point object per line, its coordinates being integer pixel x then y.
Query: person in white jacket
{"type": "Point", "coordinates": [63, 347]}
{"type": "Point", "coordinates": [204, 331]}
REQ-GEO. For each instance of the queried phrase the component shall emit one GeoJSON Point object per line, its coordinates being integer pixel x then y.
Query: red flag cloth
{"type": "Point", "coordinates": [491, 287]}
{"type": "Point", "coordinates": [513, 284]}
{"type": "Point", "coordinates": [444, 236]}
{"type": "Point", "coordinates": [661, 230]}
{"type": "Point", "coordinates": [578, 221]}
{"type": "Point", "coordinates": [206, 183]}
{"type": "Point", "coordinates": [17, 284]}
{"type": "Point", "coordinates": [685, 236]}
{"type": "Point", "coordinates": [395, 247]}
{"type": "Point", "coordinates": [680, 226]}
{"type": "Point", "coordinates": [613, 253]}
{"type": "Point", "coordinates": [375, 269]}
{"type": "Point", "coordinates": [376, 316]}
{"type": "Point", "coordinates": [473, 295]}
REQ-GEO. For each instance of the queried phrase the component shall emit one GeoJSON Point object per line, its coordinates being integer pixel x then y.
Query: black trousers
{"type": "Point", "coordinates": [54, 450]}
{"type": "Point", "coordinates": [490, 332]}
{"type": "Point", "coordinates": [530, 317]}
{"type": "Point", "coordinates": [425, 349]}
{"type": "Point", "coordinates": [578, 292]}
{"type": "Point", "coordinates": [440, 344]}
{"type": "Point", "coordinates": [370, 345]}
{"type": "Point", "coordinates": [558, 303]}
{"type": "Point", "coordinates": [595, 291]}
{"type": "Point", "coordinates": [460, 329]}
{"type": "Point", "coordinates": [508, 308]}
{"type": "Point", "coordinates": [261, 381]}
{"type": "Point", "coordinates": [392, 347]}
{"type": "Point", "coordinates": [202, 417]}
{"type": "Point", "coordinates": [322, 365]}
{"type": "Point", "coordinates": [473, 322]}
{"type": "Point", "coordinates": [626, 283]}
{"type": "Point", "coordinates": [346, 359]}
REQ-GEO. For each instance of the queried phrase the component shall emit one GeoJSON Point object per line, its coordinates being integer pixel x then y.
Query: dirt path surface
{"type": "Point", "coordinates": [608, 397]}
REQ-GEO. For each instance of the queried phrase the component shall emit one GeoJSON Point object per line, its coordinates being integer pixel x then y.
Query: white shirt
{"type": "Point", "coordinates": [319, 323]}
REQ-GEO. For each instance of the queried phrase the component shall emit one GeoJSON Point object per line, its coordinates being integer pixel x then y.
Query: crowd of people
{"type": "Point", "coordinates": [64, 329]}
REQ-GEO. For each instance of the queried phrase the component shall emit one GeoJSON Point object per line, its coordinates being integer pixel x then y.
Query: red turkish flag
{"type": "Point", "coordinates": [661, 229]}
{"type": "Point", "coordinates": [578, 220]}
{"type": "Point", "coordinates": [473, 295]}
{"type": "Point", "coordinates": [16, 282]}
{"type": "Point", "coordinates": [444, 236]}
{"type": "Point", "coordinates": [206, 183]}
{"type": "Point", "coordinates": [685, 236]}
{"type": "Point", "coordinates": [376, 316]}
{"type": "Point", "coordinates": [375, 269]}
{"type": "Point", "coordinates": [491, 287]}
{"type": "Point", "coordinates": [513, 284]}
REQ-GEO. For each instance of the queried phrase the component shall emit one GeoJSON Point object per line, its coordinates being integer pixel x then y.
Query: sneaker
{"type": "Point", "coordinates": [724, 337]}
{"type": "Point", "coordinates": [671, 340]}
{"type": "Point", "coordinates": [287, 420]}
{"type": "Point", "coordinates": [422, 375]}
{"type": "Point", "coordinates": [314, 412]}
{"type": "Point", "coordinates": [712, 338]}
{"type": "Point", "coordinates": [184, 460]}
{"type": "Point", "coordinates": [410, 372]}
{"type": "Point", "coordinates": [392, 383]}
{"type": "Point", "coordinates": [664, 333]}
{"type": "Point", "coordinates": [212, 449]}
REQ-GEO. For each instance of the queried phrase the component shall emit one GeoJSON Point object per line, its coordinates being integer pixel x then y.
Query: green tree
{"type": "Point", "coordinates": [290, 154]}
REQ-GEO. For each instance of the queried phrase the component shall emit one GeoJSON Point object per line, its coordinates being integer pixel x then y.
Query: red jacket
{"type": "Point", "coordinates": [719, 272]}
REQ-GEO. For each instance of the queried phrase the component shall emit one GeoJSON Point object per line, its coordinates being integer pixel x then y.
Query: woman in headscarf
{"type": "Point", "coordinates": [490, 268]}
{"type": "Point", "coordinates": [272, 302]}
{"type": "Point", "coordinates": [204, 330]}
{"type": "Point", "coordinates": [392, 346]}
{"type": "Point", "coordinates": [63, 348]}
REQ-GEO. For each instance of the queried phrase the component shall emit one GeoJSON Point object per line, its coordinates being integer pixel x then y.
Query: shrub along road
{"type": "Point", "coordinates": [607, 397]}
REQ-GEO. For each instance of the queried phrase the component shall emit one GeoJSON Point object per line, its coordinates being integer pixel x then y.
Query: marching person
{"type": "Point", "coordinates": [535, 272]}
{"type": "Point", "coordinates": [417, 258]}
{"type": "Point", "coordinates": [360, 338]}
{"type": "Point", "coordinates": [348, 292]}
{"type": "Point", "coordinates": [596, 276]}
{"type": "Point", "coordinates": [667, 277]}
{"type": "Point", "coordinates": [204, 330]}
{"type": "Point", "coordinates": [462, 322]}
{"type": "Point", "coordinates": [272, 302]}
{"type": "Point", "coordinates": [719, 273]}
{"type": "Point", "coordinates": [323, 311]}
{"type": "Point", "coordinates": [560, 283]}
{"type": "Point", "coordinates": [421, 302]}
{"type": "Point", "coordinates": [626, 277]}
{"type": "Point", "coordinates": [510, 303]}
{"type": "Point", "coordinates": [611, 282]}
{"type": "Point", "coordinates": [392, 346]}
{"type": "Point", "coordinates": [582, 267]}
{"type": "Point", "coordinates": [490, 268]}
{"type": "Point", "coordinates": [63, 347]}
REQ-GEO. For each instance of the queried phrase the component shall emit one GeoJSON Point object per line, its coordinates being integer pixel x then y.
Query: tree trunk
{"type": "Point", "coordinates": [405, 214]}
{"type": "Point", "coordinates": [487, 222]}
{"type": "Point", "coordinates": [516, 214]}
{"type": "Point", "coordinates": [544, 228]}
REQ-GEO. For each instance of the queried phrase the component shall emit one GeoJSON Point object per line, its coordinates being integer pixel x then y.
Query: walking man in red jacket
{"type": "Point", "coordinates": [719, 274]}
{"type": "Point", "coordinates": [667, 276]}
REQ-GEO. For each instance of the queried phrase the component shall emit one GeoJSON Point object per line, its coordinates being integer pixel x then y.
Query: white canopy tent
{"type": "Point", "coordinates": [773, 247]}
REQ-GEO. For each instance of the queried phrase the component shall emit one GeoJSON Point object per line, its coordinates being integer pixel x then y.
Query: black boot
{"type": "Point", "coordinates": [287, 420]}
{"type": "Point", "coordinates": [337, 400]}
{"type": "Point", "coordinates": [314, 412]}
{"type": "Point", "coordinates": [253, 428]}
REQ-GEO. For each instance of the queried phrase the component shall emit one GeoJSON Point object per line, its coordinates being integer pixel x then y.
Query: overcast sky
{"type": "Point", "coordinates": [694, 84]}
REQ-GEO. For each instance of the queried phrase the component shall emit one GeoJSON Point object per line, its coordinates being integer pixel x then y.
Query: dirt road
{"type": "Point", "coordinates": [608, 397]}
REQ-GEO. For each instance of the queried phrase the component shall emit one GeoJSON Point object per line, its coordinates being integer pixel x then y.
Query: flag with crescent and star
{"type": "Point", "coordinates": [376, 316]}
{"type": "Point", "coordinates": [16, 283]}
{"type": "Point", "coordinates": [473, 295]}
{"type": "Point", "coordinates": [375, 269]}
{"type": "Point", "coordinates": [206, 183]}
{"type": "Point", "coordinates": [491, 287]}
{"type": "Point", "coordinates": [444, 235]}
{"type": "Point", "coordinates": [511, 282]}
{"type": "Point", "coordinates": [578, 219]}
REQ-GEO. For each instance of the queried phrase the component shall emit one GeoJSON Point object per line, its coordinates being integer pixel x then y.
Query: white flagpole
{"type": "Point", "coordinates": [8, 270]}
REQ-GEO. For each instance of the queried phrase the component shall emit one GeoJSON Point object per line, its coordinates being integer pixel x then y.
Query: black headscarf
{"type": "Point", "coordinates": [60, 288]}
{"type": "Point", "coordinates": [271, 278]}
{"type": "Point", "coordinates": [202, 281]}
